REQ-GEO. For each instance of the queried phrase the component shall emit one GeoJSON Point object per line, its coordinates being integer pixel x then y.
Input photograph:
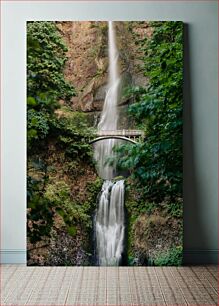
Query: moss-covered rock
{"type": "Point", "coordinates": [63, 200]}
{"type": "Point", "coordinates": [153, 237]}
{"type": "Point", "coordinates": [154, 230]}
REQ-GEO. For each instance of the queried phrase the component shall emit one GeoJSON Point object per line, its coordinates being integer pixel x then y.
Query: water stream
{"type": "Point", "coordinates": [109, 221]}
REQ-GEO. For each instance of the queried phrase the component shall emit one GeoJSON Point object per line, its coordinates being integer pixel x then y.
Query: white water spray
{"type": "Point", "coordinates": [110, 229]}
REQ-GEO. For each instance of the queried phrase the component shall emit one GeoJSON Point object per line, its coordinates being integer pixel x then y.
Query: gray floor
{"type": "Point", "coordinates": [126, 286]}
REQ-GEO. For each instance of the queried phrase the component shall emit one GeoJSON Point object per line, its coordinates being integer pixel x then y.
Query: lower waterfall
{"type": "Point", "coordinates": [110, 227]}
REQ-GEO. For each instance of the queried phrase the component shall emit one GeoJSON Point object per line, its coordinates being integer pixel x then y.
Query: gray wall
{"type": "Point", "coordinates": [200, 112]}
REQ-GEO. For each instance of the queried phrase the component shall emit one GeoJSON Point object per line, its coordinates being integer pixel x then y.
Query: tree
{"type": "Point", "coordinates": [46, 57]}
{"type": "Point", "coordinates": [156, 163]}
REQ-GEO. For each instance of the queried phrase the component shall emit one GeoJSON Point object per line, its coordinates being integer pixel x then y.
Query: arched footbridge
{"type": "Point", "coordinates": [133, 136]}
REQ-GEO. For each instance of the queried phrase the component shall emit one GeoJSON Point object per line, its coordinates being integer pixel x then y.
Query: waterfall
{"type": "Point", "coordinates": [109, 221]}
{"type": "Point", "coordinates": [109, 115]}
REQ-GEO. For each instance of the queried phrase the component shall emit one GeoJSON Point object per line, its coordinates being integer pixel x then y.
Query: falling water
{"type": "Point", "coordinates": [110, 223]}
{"type": "Point", "coordinates": [109, 115]}
{"type": "Point", "coordinates": [109, 219]}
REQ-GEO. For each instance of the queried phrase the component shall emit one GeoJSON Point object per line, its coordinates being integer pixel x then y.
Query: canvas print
{"type": "Point", "coordinates": [104, 143]}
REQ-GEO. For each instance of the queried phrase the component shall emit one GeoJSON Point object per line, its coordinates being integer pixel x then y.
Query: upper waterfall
{"type": "Point", "coordinates": [109, 115]}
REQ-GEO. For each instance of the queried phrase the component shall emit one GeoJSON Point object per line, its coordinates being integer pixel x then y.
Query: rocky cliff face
{"type": "Point", "coordinates": [87, 64]}
{"type": "Point", "coordinates": [86, 67]}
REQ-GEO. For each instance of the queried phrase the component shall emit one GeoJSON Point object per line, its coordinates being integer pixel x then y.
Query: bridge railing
{"type": "Point", "coordinates": [133, 136]}
{"type": "Point", "coordinates": [126, 133]}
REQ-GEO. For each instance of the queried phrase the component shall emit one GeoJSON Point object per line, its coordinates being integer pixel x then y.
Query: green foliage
{"type": "Point", "coordinates": [50, 195]}
{"type": "Point", "coordinates": [172, 257]}
{"type": "Point", "coordinates": [92, 190]}
{"type": "Point", "coordinates": [174, 209]}
{"type": "Point", "coordinates": [72, 230]}
{"type": "Point", "coordinates": [73, 212]}
{"type": "Point", "coordinates": [45, 60]}
{"type": "Point", "coordinates": [45, 79]}
{"type": "Point", "coordinates": [95, 187]}
{"type": "Point", "coordinates": [138, 207]}
{"type": "Point", "coordinates": [46, 197]}
{"type": "Point", "coordinates": [135, 202]}
{"type": "Point", "coordinates": [37, 125]}
{"type": "Point", "coordinates": [131, 260]}
{"type": "Point", "coordinates": [156, 163]}
{"type": "Point", "coordinates": [46, 57]}
{"type": "Point", "coordinates": [73, 133]}
{"type": "Point", "coordinates": [40, 210]}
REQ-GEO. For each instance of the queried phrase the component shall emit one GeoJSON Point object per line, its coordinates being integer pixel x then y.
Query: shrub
{"type": "Point", "coordinates": [172, 257]}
